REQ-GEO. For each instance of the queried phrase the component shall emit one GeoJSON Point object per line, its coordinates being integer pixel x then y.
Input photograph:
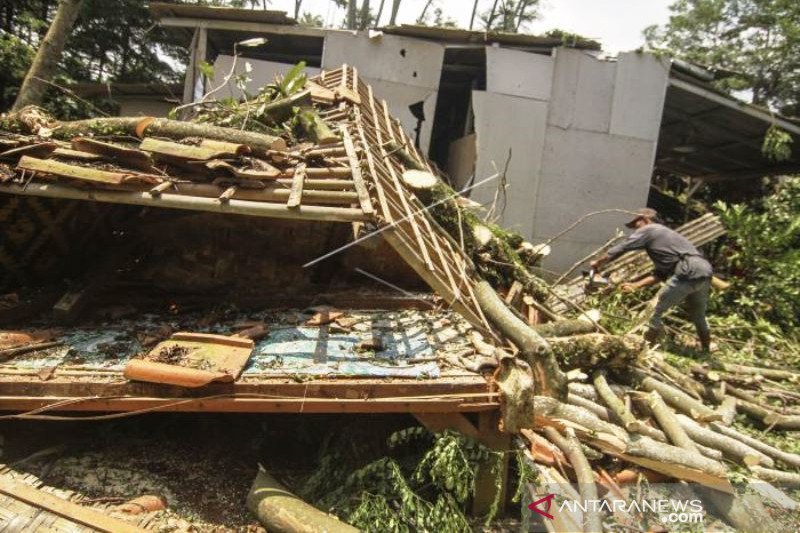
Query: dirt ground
{"type": "Point", "coordinates": [201, 464]}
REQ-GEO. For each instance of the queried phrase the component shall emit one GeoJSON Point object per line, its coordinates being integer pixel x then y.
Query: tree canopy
{"type": "Point", "coordinates": [752, 45]}
{"type": "Point", "coordinates": [103, 46]}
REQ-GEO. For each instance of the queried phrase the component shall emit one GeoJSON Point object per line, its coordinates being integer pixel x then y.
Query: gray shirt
{"type": "Point", "coordinates": [671, 252]}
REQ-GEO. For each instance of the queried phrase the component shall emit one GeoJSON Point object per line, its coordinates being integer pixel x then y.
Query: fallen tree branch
{"type": "Point", "coordinates": [283, 512]}
{"type": "Point", "coordinates": [732, 448]}
{"type": "Point", "coordinates": [583, 474]}
{"type": "Point", "coordinates": [547, 376]}
{"type": "Point", "coordinates": [669, 423]}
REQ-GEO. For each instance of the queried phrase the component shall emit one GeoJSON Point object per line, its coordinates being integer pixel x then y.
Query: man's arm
{"type": "Point", "coordinates": [636, 285]}
{"type": "Point", "coordinates": [635, 241]}
{"type": "Point", "coordinates": [600, 261]}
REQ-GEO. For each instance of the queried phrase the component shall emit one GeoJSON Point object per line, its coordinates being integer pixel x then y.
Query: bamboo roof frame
{"type": "Point", "coordinates": [363, 185]}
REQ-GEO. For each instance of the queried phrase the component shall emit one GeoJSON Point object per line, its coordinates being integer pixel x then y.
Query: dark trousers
{"type": "Point", "coordinates": [693, 293]}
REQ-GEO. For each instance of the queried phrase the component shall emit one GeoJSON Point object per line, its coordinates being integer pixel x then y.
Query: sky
{"type": "Point", "coordinates": [618, 24]}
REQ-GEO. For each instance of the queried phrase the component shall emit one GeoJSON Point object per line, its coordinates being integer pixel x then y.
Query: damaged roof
{"type": "Point", "coordinates": [711, 136]}
{"type": "Point", "coordinates": [352, 175]}
{"type": "Point", "coordinates": [163, 9]}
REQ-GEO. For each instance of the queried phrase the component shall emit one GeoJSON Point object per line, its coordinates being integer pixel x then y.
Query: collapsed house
{"type": "Point", "coordinates": [215, 268]}
{"type": "Point", "coordinates": [566, 125]}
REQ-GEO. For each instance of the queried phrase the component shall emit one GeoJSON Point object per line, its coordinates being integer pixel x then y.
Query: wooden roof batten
{"type": "Point", "coordinates": [364, 186]}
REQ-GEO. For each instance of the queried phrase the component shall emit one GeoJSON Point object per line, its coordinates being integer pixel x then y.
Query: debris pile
{"type": "Point", "coordinates": [594, 406]}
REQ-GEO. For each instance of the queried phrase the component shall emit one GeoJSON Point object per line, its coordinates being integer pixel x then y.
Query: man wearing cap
{"type": "Point", "coordinates": [677, 262]}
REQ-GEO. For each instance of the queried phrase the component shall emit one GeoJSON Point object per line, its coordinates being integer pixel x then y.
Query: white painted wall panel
{"type": "Point", "coordinates": [566, 67]}
{"type": "Point", "coordinates": [263, 73]}
{"type": "Point", "coordinates": [594, 94]}
{"type": "Point", "coordinates": [390, 57]}
{"type": "Point", "coordinates": [583, 172]}
{"type": "Point", "coordinates": [583, 91]}
{"type": "Point", "coordinates": [640, 90]}
{"type": "Point", "coordinates": [399, 96]}
{"type": "Point", "coordinates": [505, 122]}
{"type": "Point", "coordinates": [518, 73]}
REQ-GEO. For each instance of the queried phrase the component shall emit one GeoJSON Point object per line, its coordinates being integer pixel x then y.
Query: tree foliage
{"type": "Point", "coordinates": [763, 254]}
{"type": "Point", "coordinates": [510, 15]}
{"type": "Point", "coordinates": [103, 46]}
{"type": "Point", "coordinates": [753, 45]}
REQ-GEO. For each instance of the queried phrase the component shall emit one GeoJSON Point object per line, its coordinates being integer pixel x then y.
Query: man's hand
{"type": "Point", "coordinates": [600, 261]}
{"type": "Point", "coordinates": [628, 287]}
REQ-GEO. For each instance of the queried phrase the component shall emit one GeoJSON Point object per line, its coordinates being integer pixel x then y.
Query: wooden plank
{"type": "Point", "coordinates": [256, 405]}
{"type": "Point", "coordinates": [401, 193]}
{"type": "Point", "coordinates": [74, 512]}
{"type": "Point", "coordinates": [486, 490]}
{"type": "Point", "coordinates": [355, 166]}
{"type": "Point", "coordinates": [296, 193]}
{"type": "Point", "coordinates": [373, 169]}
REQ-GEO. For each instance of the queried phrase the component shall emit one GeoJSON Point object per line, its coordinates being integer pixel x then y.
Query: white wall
{"type": "Point", "coordinates": [263, 73]}
{"type": "Point", "coordinates": [401, 70]}
{"type": "Point", "coordinates": [504, 123]}
{"type": "Point", "coordinates": [583, 135]}
{"type": "Point", "coordinates": [601, 142]}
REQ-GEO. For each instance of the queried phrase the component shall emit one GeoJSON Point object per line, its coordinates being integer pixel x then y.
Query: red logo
{"type": "Point", "coordinates": [547, 500]}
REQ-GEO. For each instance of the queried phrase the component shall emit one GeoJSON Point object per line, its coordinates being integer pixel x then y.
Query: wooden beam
{"type": "Point", "coordinates": [249, 27]}
{"type": "Point", "coordinates": [485, 480]}
{"type": "Point", "coordinates": [71, 511]}
{"type": "Point", "coordinates": [358, 179]}
{"type": "Point", "coordinates": [251, 405]}
{"type": "Point", "coordinates": [296, 193]}
{"type": "Point", "coordinates": [438, 422]}
{"type": "Point", "coordinates": [191, 203]}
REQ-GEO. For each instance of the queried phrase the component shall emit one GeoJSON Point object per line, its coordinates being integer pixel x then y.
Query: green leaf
{"type": "Point", "coordinates": [206, 69]}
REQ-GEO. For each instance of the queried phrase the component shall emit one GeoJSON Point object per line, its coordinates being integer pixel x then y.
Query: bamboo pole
{"type": "Point", "coordinates": [191, 203]}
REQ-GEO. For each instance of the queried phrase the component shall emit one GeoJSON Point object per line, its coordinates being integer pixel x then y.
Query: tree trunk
{"type": "Point", "coordinates": [548, 378]}
{"type": "Point", "coordinates": [297, 4]}
{"type": "Point", "coordinates": [174, 129]}
{"type": "Point", "coordinates": [364, 22]}
{"type": "Point", "coordinates": [565, 328]}
{"type": "Point", "coordinates": [666, 419]}
{"type": "Point", "coordinates": [789, 459]}
{"type": "Point", "coordinates": [472, 17]}
{"type": "Point", "coordinates": [352, 10]}
{"type": "Point", "coordinates": [624, 414]}
{"type": "Point", "coordinates": [283, 512]}
{"type": "Point", "coordinates": [395, 9]}
{"type": "Point", "coordinates": [380, 12]}
{"type": "Point", "coordinates": [490, 20]}
{"type": "Point", "coordinates": [421, 19]}
{"type": "Point", "coordinates": [49, 54]}
{"type": "Point", "coordinates": [678, 399]}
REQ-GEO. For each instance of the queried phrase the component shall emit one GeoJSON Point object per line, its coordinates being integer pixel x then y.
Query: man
{"type": "Point", "coordinates": [677, 261]}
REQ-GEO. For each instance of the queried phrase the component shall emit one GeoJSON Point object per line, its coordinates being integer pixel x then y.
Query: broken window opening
{"type": "Point", "coordinates": [463, 71]}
